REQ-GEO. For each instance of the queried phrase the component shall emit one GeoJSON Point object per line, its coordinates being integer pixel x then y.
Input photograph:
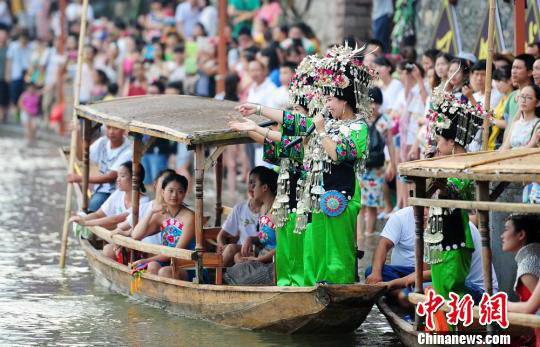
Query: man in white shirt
{"type": "Point", "coordinates": [239, 225]}
{"type": "Point", "coordinates": [399, 235]}
{"type": "Point", "coordinates": [109, 152]}
{"type": "Point", "coordinates": [187, 16]}
{"type": "Point", "coordinates": [260, 93]}
{"type": "Point", "coordinates": [280, 98]}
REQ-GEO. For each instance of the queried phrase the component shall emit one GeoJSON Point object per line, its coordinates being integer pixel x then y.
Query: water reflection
{"type": "Point", "coordinates": [43, 305]}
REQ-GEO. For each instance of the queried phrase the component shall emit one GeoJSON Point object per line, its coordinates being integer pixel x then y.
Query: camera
{"type": "Point", "coordinates": [409, 67]}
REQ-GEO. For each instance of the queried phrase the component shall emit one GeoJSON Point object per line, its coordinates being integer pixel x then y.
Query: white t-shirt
{"type": "Point", "coordinates": [390, 95]}
{"type": "Point", "coordinates": [242, 222]}
{"type": "Point", "coordinates": [177, 73]}
{"type": "Point", "coordinates": [20, 59]}
{"type": "Point", "coordinates": [209, 19]}
{"type": "Point", "coordinates": [476, 275]}
{"type": "Point", "coordinates": [262, 94]}
{"type": "Point", "coordinates": [188, 16]}
{"type": "Point", "coordinates": [115, 205]}
{"type": "Point", "coordinates": [400, 229]}
{"type": "Point", "coordinates": [74, 12]}
{"type": "Point", "coordinates": [109, 159]}
{"type": "Point", "coordinates": [280, 98]}
{"type": "Point", "coordinates": [145, 208]}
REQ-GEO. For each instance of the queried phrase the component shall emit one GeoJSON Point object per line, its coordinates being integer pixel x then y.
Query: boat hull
{"type": "Point", "coordinates": [320, 309]}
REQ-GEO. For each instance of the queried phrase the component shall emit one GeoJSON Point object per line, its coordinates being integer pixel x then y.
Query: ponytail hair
{"type": "Point", "coordinates": [129, 166]}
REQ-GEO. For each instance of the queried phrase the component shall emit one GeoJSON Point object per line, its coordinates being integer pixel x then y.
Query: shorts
{"type": "Point", "coordinates": [26, 117]}
{"type": "Point", "coordinates": [372, 184]}
{"type": "Point", "coordinates": [16, 88]}
{"type": "Point", "coordinates": [4, 93]}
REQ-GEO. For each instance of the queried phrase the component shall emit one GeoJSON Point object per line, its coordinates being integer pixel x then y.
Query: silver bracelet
{"type": "Point", "coordinates": [266, 133]}
{"type": "Point", "coordinates": [258, 110]}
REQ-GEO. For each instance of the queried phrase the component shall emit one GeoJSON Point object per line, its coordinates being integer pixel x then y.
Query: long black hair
{"type": "Point", "coordinates": [174, 177]}
{"type": "Point", "coordinates": [528, 223]}
{"type": "Point", "coordinates": [129, 166]}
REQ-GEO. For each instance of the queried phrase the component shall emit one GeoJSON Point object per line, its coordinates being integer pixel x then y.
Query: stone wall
{"type": "Point", "coordinates": [333, 20]}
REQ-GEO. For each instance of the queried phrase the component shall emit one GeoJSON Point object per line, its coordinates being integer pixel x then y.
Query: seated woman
{"type": "Point", "coordinates": [117, 206]}
{"type": "Point", "coordinates": [125, 228]}
{"type": "Point", "coordinates": [521, 236]}
{"type": "Point", "coordinates": [173, 220]}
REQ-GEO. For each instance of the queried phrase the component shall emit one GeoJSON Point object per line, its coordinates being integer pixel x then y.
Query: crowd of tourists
{"type": "Point", "coordinates": [319, 180]}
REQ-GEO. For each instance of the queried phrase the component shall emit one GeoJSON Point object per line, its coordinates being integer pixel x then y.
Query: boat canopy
{"type": "Point", "coordinates": [516, 165]}
{"type": "Point", "coordinates": [187, 119]}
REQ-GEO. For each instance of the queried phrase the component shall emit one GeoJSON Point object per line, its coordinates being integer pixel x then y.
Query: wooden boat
{"type": "Point", "coordinates": [199, 122]}
{"type": "Point", "coordinates": [499, 168]}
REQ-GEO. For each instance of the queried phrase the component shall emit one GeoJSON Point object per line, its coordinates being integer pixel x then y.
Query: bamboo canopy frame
{"type": "Point", "coordinates": [196, 121]}
{"type": "Point", "coordinates": [517, 165]}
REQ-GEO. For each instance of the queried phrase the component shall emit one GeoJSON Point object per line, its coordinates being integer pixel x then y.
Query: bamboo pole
{"type": "Point", "coordinates": [69, 191]}
{"type": "Point", "coordinates": [222, 47]}
{"type": "Point", "coordinates": [482, 194]}
{"type": "Point", "coordinates": [87, 133]}
{"type": "Point", "coordinates": [420, 192]}
{"type": "Point", "coordinates": [199, 210]}
{"type": "Point", "coordinates": [489, 72]}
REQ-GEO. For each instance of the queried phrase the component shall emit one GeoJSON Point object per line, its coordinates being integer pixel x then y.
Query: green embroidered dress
{"type": "Point", "coordinates": [326, 250]}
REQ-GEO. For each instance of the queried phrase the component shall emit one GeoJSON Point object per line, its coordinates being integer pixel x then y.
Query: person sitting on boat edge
{"type": "Point", "coordinates": [117, 207]}
{"type": "Point", "coordinates": [257, 268]}
{"type": "Point", "coordinates": [521, 236]}
{"type": "Point", "coordinates": [399, 235]}
{"type": "Point", "coordinates": [125, 228]}
{"type": "Point", "coordinates": [109, 151]}
{"type": "Point", "coordinates": [172, 219]}
{"type": "Point", "coordinates": [240, 225]}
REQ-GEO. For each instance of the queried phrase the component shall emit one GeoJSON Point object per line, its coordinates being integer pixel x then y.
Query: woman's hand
{"type": "Point", "coordinates": [390, 172]}
{"type": "Point", "coordinates": [319, 122]}
{"type": "Point", "coordinates": [139, 263]}
{"type": "Point", "coordinates": [468, 92]}
{"type": "Point", "coordinates": [246, 109]}
{"type": "Point", "coordinates": [244, 124]}
{"type": "Point", "coordinates": [77, 219]}
{"type": "Point", "coordinates": [416, 74]}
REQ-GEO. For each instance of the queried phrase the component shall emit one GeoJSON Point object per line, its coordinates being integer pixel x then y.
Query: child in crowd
{"type": "Point", "coordinates": [29, 103]}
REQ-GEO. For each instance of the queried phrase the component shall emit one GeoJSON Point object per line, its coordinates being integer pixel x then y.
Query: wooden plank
{"type": "Point", "coordinates": [87, 133]}
{"type": "Point", "coordinates": [476, 205]}
{"type": "Point", "coordinates": [130, 243]}
{"type": "Point", "coordinates": [199, 209]}
{"type": "Point", "coordinates": [213, 157]}
{"type": "Point", "coordinates": [521, 319]}
{"type": "Point", "coordinates": [419, 192]}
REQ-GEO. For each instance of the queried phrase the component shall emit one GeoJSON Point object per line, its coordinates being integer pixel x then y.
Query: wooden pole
{"type": "Point", "coordinates": [489, 71]}
{"type": "Point", "coordinates": [222, 47]}
{"type": "Point", "coordinates": [199, 210]}
{"type": "Point", "coordinates": [61, 49]}
{"type": "Point", "coordinates": [135, 182]}
{"type": "Point", "coordinates": [74, 126]}
{"type": "Point", "coordinates": [519, 26]}
{"type": "Point", "coordinates": [87, 134]}
{"type": "Point", "coordinates": [219, 190]}
{"type": "Point", "coordinates": [420, 191]}
{"type": "Point", "coordinates": [482, 194]}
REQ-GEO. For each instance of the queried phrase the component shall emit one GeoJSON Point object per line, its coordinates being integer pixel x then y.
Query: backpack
{"type": "Point", "coordinates": [377, 142]}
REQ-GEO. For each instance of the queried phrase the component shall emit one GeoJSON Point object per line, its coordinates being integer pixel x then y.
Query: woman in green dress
{"type": "Point", "coordinates": [328, 199]}
{"type": "Point", "coordinates": [306, 100]}
{"type": "Point", "coordinates": [447, 238]}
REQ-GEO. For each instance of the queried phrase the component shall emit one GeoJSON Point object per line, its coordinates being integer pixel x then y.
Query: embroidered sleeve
{"type": "Point", "coordinates": [295, 124]}
{"type": "Point", "coordinates": [352, 142]}
{"type": "Point", "coordinates": [294, 152]}
{"type": "Point", "coordinates": [271, 151]}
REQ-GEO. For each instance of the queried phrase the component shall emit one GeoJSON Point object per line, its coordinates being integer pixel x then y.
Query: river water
{"type": "Point", "coordinates": [40, 304]}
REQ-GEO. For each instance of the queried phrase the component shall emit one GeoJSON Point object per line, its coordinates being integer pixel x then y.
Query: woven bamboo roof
{"type": "Point", "coordinates": [516, 165]}
{"type": "Point", "coordinates": [186, 119]}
